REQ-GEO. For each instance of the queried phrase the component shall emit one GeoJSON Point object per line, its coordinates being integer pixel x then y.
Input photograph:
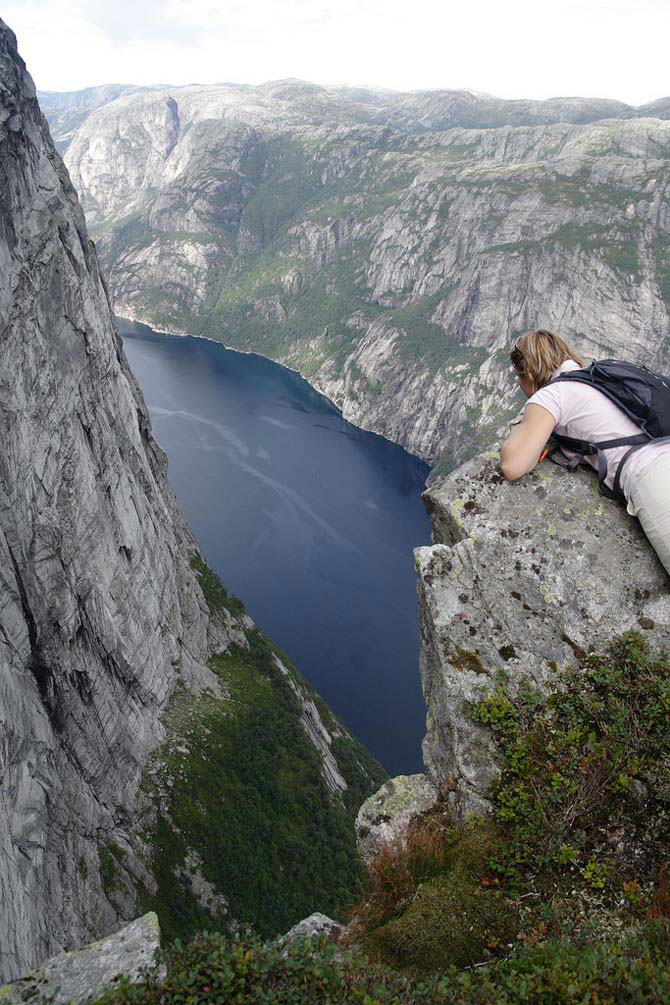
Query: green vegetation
{"type": "Point", "coordinates": [576, 845]}
{"type": "Point", "coordinates": [630, 971]}
{"type": "Point", "coordinates": [323, 302]}
{"type": "Point", "coordinates": [290, 179]}
{"type": "Point", "coordinates": [591, 759]}
{"type": "Point", "coordinates": [425, 341]}
{"type": "Point", "coordinates": [214, 591]}
{"type": "Point", "coordinates": [245, 827]}
{"type": "Point", "coordinates": [560, 897]}
{"type": "Point", "coordinates": [446, 919]}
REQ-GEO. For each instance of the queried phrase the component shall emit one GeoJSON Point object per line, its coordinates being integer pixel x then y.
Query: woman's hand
{"type": "Point", "coordinates": [522, 449]}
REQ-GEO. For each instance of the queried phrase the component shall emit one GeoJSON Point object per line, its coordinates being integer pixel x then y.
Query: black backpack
{"type": "Point", "coordinates": [642, 394]}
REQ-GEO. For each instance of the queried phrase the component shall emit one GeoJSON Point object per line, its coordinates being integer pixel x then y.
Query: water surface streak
{"type": "Point", "coordinates": [308, 519]}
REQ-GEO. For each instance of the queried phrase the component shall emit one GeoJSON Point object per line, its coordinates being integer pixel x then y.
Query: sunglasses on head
{"type": "Point", "coordinates": [517, 357]}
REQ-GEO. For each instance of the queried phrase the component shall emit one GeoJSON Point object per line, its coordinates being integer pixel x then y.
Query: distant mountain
{"type": "Point", "coordinates": [422, 110]}
{"type": "Point", "coordinates": [386, 244]}
{"type": "Point", "coordinates": [66, 111]}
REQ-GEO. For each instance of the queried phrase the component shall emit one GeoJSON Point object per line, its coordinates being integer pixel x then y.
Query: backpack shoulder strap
{"type": "Point", "coordinates": [585, 448]}
{"type": "Point", "coordinates": [618, 494]}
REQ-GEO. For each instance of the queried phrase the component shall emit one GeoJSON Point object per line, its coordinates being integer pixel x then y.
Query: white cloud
{"type": "Point", "coordinates": [605, 48]}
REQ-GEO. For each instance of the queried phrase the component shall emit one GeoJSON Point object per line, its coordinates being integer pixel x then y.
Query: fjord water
{"type": "Point", "coordinates": [308, 519]}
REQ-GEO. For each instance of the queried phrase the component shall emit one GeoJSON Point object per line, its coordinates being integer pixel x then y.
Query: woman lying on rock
{"type": "Point", "coordinates": [573, 408]}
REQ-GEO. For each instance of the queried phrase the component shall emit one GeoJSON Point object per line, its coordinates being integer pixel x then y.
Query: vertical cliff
{"type": "Point", "coordinates": [103, 622]}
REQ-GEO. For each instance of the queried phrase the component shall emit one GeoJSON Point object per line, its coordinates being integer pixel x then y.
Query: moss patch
{"type": "Point", "coordinates": [466, 659]}
{"type": "Point", "coordinates": [451, 919]}
{"type": "Point", "coordinates": [112, 858]}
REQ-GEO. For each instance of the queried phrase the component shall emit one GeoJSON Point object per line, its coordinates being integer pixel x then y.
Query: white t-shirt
{"type": "Point", "coordinates": [585, 413]}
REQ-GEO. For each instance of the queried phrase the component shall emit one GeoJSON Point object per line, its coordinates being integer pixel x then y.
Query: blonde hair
{"type": "Point", "coordinates": [538, 353]}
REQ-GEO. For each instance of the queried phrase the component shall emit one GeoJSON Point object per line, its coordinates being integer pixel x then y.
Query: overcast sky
{"type": "Point", "coordinates": [511, 48]}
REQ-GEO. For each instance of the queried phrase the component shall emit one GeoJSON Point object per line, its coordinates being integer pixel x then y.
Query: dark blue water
{"type": "Point", "coordinates": [309, 520]}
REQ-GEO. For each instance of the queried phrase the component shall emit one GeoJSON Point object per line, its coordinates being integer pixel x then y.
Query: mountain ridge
{"type": "Point", "coordinates": [389, 263]}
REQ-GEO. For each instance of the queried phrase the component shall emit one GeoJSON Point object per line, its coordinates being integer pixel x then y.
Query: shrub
{"type": "Point", "coordinates": [577, 833]}
{"type": "Point", "coordinates": [584, 791]}
{"type": "Point", "coordinates": [399, 868]}
{"type": "Point", "coordinates": [633, 972]}
{"type": "Point", "coordinates": [211, 969]}
{"type": "Point", "coordinates": [214, 591]}
{"type": "Point", "coordinates": [428, 909]}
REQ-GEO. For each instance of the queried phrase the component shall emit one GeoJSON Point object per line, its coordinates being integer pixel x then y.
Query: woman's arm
{"type": "Point", "coordinates": [521, 450]}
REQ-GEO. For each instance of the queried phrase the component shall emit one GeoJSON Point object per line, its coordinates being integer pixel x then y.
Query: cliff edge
{"type": "Point", "coordinates": [522, 578]}
{"type": "Point", "coordinates": [522, 581]}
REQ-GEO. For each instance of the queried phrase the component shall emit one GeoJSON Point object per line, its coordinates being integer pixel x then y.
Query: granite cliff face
{"type": "Point", "coordinates": [119, 649]}
{"type": "Point", "coordinates": [386, 245]}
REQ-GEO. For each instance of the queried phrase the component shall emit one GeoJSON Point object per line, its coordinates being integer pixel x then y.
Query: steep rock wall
{"type": "Point", "coordinates": [103, 622]}
{"type": "Point", "coordinates": [100, 609]}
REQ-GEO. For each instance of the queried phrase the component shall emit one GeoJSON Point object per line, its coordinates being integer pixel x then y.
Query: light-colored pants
{"type": "Point", "coordinates": [649, 501]}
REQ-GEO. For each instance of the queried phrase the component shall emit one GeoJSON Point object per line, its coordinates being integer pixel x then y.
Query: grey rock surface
{"type": "Point", "coordinates": [384, 818]}
{"type": "Point", "coordinates": [318, 735]}
{"type": "Point", "coordinates": [83, 975]}
{"type": "Point", "coordinates": [522, 577]}
{"type": "Point", "coordinates": [99, 609]}
{"type": "Point", "coordinates": [310, 928]}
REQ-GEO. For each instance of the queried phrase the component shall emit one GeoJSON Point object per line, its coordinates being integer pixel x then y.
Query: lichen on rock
{"type": "Point", "coordinates": [83, 975]}
{"type": "Point", "coordinates": [384, 817]}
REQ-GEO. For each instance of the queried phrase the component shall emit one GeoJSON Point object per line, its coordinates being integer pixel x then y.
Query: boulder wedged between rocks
{"type": "Point", "coordinates": [523, 577]}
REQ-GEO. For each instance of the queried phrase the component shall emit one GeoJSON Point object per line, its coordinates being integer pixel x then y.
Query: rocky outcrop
{"type": "Point", "coordinates": [522, 577]}
{"type": "Point", "coordinates": [317, 925]}
{"type": "Point", "coordinates": [84, 975]}
{"type": "Point", "coordinates": [104, 627]}
{"type": "Point", "coordinates": [383, 819]}
{"type": "Point", "coordinates": [387, 246]}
